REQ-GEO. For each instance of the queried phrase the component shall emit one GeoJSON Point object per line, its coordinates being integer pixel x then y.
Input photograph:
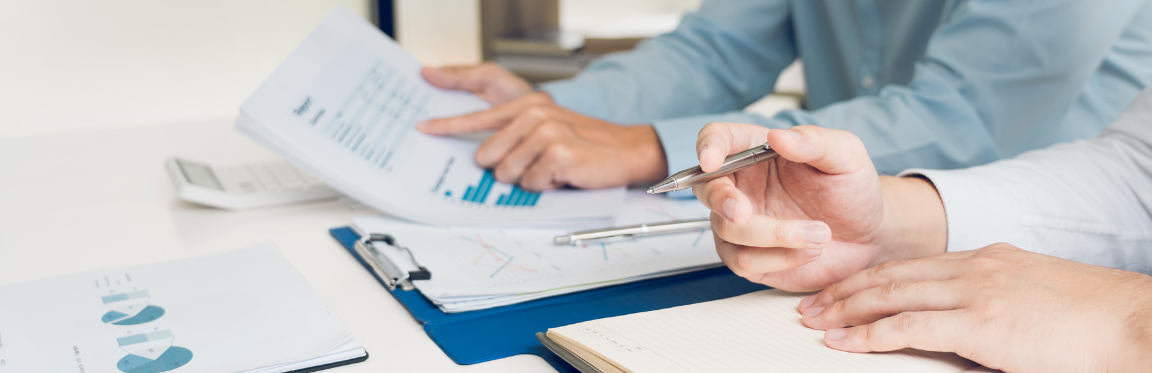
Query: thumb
{"type": "Point", "coordinates": [830, 151]}
{"type": "Point", "coordinates": [718, 140]}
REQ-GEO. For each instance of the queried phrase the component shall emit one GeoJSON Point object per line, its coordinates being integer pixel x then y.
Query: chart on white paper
{"type": "Point", "coordinates": [344, 107]}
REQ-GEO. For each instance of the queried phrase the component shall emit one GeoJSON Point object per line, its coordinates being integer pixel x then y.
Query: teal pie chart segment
{"type": "Point", "coordinates": [175, 357]}
{"type": "Point", "coordinates": [148, 314]}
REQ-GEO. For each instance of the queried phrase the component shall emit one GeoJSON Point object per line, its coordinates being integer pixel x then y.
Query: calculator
{"type": "Point", "coordinates": [246, 186]}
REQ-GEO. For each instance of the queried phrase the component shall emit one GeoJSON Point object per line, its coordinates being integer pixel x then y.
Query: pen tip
{"type": "Point", "coordinates": [651, 190]}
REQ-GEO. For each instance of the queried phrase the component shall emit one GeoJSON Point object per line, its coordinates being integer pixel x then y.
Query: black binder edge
{"type": "Point", "coordinates": [568, 357]}
{"type": "Point", "coordinates": [332, 365]}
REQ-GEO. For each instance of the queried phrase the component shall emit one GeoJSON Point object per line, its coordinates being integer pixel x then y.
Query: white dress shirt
{"type": "Point", "coordinates": [1088, 201]}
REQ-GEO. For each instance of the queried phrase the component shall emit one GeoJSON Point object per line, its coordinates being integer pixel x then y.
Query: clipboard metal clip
{"type": "Point", "coordinates": [384, 268]}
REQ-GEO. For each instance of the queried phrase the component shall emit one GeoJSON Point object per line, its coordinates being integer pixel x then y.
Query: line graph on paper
{"type": "Point", "coordinates": [493, 258]}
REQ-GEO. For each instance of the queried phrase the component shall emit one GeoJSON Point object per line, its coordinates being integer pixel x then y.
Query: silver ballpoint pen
{"type": "Point", "coordinates": [695, 176]}
{"type": "Point", "coordinates": [576, 238]}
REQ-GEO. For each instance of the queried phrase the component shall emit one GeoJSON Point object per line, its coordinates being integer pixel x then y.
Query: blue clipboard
{"type": "Point", "coordinates": [478, 336]}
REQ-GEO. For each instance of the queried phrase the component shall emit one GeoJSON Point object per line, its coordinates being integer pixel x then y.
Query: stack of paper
{"type": "Point", "coordinates": [344, 107]}
{"type": "Point", "coordinates": [477, 268]}
{"type": "Point", "coordinates": [244, 311]}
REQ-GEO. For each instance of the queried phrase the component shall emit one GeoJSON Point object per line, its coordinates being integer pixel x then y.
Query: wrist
{"type": "Point", "coordinates": [647, 162]}
{"type": "Point", "coordinates": [914, 223]}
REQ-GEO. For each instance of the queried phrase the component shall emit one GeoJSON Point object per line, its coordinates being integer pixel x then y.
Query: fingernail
{"type": "Point", "coordinates": [813, 312]}
{"type": "Point", "coordinates": [795, 136]}
{"type": "Point", "coordinates": [814, 253]}
{"type": "Point", "coordinates": [422, 125]}
{"type": "Point", "coordinates": [835, 334]}
{"type": "Point", "coordinates": [730, 208]}
{"type": "Point", "coordinates": [816, 234]}
{"type": "Point", "coordinates": [806, 302]}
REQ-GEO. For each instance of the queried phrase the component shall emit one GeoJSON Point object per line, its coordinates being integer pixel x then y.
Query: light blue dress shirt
{"type": "Point", "coordinates": [927, 84]}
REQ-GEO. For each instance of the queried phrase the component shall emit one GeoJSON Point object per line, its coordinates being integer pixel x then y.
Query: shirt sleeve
{"type": "Point", "coordinates": [720, 58]}
{"type": "Point", "coordinates": [996, 75]}
{"type": "Point", "coordinates": [1088, 201]}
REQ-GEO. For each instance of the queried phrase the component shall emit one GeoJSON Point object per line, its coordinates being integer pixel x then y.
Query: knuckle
{"type": "Point", "coordinates": [550, 131]}
{"type": "Point", "coordinates": [559, 152]}
{"type": "Point", "coordinates": [723, 228]}
{"type": "Point", "coordinates": [539, 99]}
{"type": "Point", "coordinates": [744, 259]}
{"type": "Point", "coordinates": [505, 173]}
{"type": "Point", "coordinates": [883, 271]}
{"type": "Point", "coordinates": [535, 112]}
{"type": "Point", "coordinates": [865, 333]}
{"type": "Point", "coordinates": [988, 310]}
{"type": "Point", "coordinates": [834, 291]}
{"type": "Point", "coordinates": [781, 234]}
{"type": "Point", "coordinates": [892, 291]}
{"type": "Point", "coordinates": [909, 323]}
{"type": "Point", "coordinates": [985, 263]}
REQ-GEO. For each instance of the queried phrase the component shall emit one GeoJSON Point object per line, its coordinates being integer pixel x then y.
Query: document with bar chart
{"type": "Point", "coordinates": [242, 311]}
{"type": "Point", "coordinates": [344, 107]}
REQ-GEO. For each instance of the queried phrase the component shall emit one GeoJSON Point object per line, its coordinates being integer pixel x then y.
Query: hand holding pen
{"type": "Point", "coordinates": [800, 221]}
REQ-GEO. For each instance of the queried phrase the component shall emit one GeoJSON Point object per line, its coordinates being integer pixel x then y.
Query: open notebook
{"type": "Point", "coordinates": [756, 332]}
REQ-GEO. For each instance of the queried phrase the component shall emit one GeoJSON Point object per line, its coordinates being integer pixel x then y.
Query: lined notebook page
{"type": "Point", "coordinates": [757, 332]}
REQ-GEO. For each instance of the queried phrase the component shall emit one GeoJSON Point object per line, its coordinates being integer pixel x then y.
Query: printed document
{"type": "Point", "coordinates": [476, 268]}
{"type": "Point", "coordinates": [242, 311]}
{"type": "Point", "coordinates": [344, 107]}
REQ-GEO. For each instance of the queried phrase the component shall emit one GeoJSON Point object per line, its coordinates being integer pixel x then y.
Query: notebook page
{"type": "Point", "coordinates": [757, 332]}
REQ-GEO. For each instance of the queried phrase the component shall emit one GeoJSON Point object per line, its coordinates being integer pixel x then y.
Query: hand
{"type": "Point", "coordinates": [488, 81]}
{"type": "Point", "coordinates": [543, 146]}
{"type": "Point", "coordinates": [816, 214]}
{"type": "Point", "coordinates": [999, 306]}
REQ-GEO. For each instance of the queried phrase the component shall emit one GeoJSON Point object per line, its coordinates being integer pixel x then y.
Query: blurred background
{"type": "Point", "coordinates": [79, 65]}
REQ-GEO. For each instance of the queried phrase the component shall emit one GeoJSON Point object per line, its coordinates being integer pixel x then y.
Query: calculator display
{"type": "Point", "coordinates": [199, 174]}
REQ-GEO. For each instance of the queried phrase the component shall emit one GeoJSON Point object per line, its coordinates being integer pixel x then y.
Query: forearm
{"type": "Point", "coordinates": [1087, 201]}
{"type": "Point", "coordinates": [722, 57]}
{"type": "Point", "coordinates": [1136, 339]}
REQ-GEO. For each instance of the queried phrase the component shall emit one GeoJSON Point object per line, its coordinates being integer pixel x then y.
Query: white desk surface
{"type": "Point", "coordinates": [86, 201]}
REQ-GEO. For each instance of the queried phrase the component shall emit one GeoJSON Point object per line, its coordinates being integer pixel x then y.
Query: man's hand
{"type": "Point", "coordinates": [541, 145]}
{"type": "Point", "coordinates": [816, 214]}
{"type": "Point", "coordinates": [1000, 306]}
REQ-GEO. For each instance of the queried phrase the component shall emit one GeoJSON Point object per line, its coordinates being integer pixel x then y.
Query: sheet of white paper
{"type": "Point", "coordinates": [231, 312]}
{"type": "Point", "coordinates": [344, 106]}
{"type": "Point", "coordinates": [757, 332]}
{"type": "Point", "coordinates": [485, 265]}
{"type": "Point", "coordinates": [478, 261]}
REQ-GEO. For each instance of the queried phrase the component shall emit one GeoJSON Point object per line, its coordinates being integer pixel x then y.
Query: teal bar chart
{"type": "Point", "coordinates": [479, 193]}
{"type": "Point", "coordinates": [518, 197]}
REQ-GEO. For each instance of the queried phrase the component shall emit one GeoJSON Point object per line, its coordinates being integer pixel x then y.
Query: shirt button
{"type": "Point", "coordinates": [867, 82]}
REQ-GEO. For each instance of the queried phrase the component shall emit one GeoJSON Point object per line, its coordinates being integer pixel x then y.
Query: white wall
{"type": "Point", "coordinates": [440, 32]}
{"type": "Point", "coordinates": [69, 65]}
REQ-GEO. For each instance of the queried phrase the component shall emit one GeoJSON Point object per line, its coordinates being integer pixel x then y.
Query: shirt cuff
{"type": "Point", "coordinates": [979, 212]}
{"type": "Point", "coordinates": [580, 95]}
